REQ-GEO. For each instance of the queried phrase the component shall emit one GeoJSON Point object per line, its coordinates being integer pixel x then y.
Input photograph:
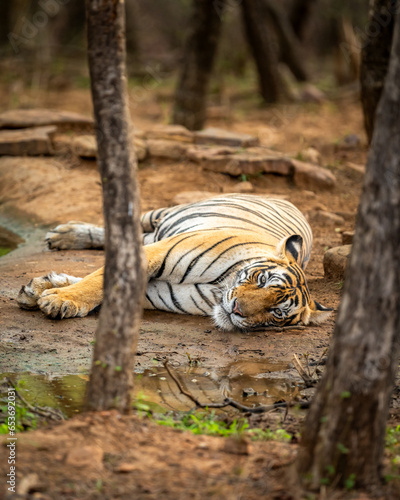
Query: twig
{"type": "Point", "coordinates": [303, 374]}
{"type": "Point", "coordinates": [278, 329]}
{"type": "Point", "coordinates": [319, 361]}
{"type": "Point", "coordinates": [231, 402]}
{"type": "Point", "coordinates": [43, 412]}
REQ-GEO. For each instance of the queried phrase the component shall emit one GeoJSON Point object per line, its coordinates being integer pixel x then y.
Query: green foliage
{"type": "Point", "coordinates": [24, 419]}
{"type": "Point", "coordinates": [205, 423]}
{"type": "Point", "coordinates": [208, 423]}
{"type": "Point", "coordinates": [392, 443]}
{"type": "Point", "coordinates": [350, 482]}
{"type": "Point", "coordinates": [4, 251]}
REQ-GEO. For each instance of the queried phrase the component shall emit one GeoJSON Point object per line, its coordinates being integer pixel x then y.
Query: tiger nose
{"type": "Point", "coordinates": [236, 308]}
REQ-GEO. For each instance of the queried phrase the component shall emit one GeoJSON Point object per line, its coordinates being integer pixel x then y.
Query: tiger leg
{"type": "Point", "coordinates": [77, 299]}
{"type": "Point", "coordinates": [80, 298]}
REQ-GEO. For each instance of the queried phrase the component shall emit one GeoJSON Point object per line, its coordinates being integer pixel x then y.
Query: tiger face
{"type": "Point", "coordinates": [269, 293]}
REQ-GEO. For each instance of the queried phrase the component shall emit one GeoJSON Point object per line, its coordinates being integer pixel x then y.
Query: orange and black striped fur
{"type": "Point", "coordinates": [237, 258]}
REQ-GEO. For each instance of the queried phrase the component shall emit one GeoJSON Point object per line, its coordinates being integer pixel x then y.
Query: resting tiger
{"type": "Point", "coordinates": [237, 258]}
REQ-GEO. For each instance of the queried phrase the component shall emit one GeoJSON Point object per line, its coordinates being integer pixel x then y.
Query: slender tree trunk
{"type": "Point", "coordinates": [345, 428]}
{"type": "Point", "coordinates": [111, 377]}
{"type": "Point", "coordinates": [264, 50]}
{"type": "Point", "coordinates": [201, 46]}
{"type": "Point", "coordinates": [299, 16]}
{"type": "Point", "coordinates": [289, 45]}
{"type": "Point", "coordinates": [375, 59]}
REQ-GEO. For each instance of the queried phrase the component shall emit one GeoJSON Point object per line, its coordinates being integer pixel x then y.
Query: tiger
{"type": "Point", "coordinates": [239, 259]}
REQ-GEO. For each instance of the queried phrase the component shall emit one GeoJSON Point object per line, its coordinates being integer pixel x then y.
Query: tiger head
{"type": "Point", "coordinates": [270, 292]}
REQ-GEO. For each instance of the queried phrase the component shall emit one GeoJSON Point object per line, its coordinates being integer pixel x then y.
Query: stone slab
{"type": "Point", "coordinates": [308, 176]}
{"type": "Point", "coordinates": [174, 150]}
{"type": "Point", "coordinates": [170, 132]}
{"type": "Point", "coordinates": [25, 118]}
{"type": "Point", "coordinates": [85, 146]}
{"type": "Point", "coordinates": [234, 162]}
{"type": "Point", "coordinates": [213, 135]}
{"type": "Point", "coordinates": [26, 142]}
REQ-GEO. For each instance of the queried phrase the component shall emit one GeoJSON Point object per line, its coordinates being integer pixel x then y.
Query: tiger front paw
{"type": "Point", "coordinates": [30, 294]}
{"type": "Point", "coordinates": [60, 303]}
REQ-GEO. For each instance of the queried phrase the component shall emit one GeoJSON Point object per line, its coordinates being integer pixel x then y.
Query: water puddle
{"type": "Point", "coordinates": [8, 241]}
{"type": "Point", "coordinates": [249, 382]}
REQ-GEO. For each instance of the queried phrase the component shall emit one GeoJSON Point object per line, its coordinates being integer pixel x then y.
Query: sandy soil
{"type": "Point", "coordinates": [37, 193]}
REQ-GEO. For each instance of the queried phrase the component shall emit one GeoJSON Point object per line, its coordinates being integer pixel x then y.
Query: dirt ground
{"type": "Point", "coordinates": [98, 456]}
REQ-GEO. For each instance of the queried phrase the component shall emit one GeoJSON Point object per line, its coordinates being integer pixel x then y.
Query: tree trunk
{"type": "Point", "coordinates": [345, 428]}
{"type": "Point", "coordinates": [375, 59]}
{"type": "Point", "coordinates": [299, 16]}
{"type": "Point", "coordinates": [111, 377]}
{"type": "Point", "coordinates": [290, 53]}
{"type": "Point", "coordinates": [201, 46]}
{"type": "Point", "coordinates": [264, 50]}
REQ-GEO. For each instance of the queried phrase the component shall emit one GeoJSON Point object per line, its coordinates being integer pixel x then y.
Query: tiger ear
{"type": "Point", "coordinates": [290, 247]}
{"type": "Point", "coordinates": [315, 313]}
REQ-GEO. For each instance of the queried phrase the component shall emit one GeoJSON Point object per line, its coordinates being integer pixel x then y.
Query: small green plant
{"type": "Point", "coordinates": [350, 482]}
{"type": "Point", "coordinates": [208, 423]}
{"type": "Point", "coordinates": [24, 419]}
{"type": "Point", "coordinates": [205, 423]}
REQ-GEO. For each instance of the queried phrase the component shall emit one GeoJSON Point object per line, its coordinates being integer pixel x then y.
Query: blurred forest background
{"type": "Point", "coordinates": [43, 44]}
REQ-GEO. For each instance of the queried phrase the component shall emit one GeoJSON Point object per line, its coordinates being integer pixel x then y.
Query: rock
{"type": "Point", "coordinates": [310, 93]}
{"type": "Point", "coordinates": [236, 446]}
{"type": "Point", "coordinates": [170, 132]}
{"type": "Point", "coordinates": [347, 237]}
{"type": "Point", "coordinates": [214, 135]}
{"type": "Point", "coordinates": [89, 456]}
{"type": "Point", "coordinates": [167, 149]}
{"type": "Point", "coordinates": [335, 262]}
{"type": "Point", "coordinates": [311, 177]}
{"type": "Point", "coordinates": [127, 467]}
{"type": "Point", "coordinates": [24, 118]}
{"type": "Point", "coordinates": [350, 141]}
{"type": "Point", "coordinates": [243, 187]}
{"type": "Point", "coordinates": [29, 484]}
{"type": "Point", "coordinates": [192, 197]}
{"type": "Point", "coordinates": [310, 155]}
{"type": "Point", "coordinates": [234, 162]}
{"type": "Point", "coordinates": [33, 142]}
{"type": "Point", "coordinates": [84, 146]}
{"type": "Point", "coordinates": [140, 148]}
{"type": "Point", "coordinates": [326, 218]}
{"type": "Point", "coordinates": [360, 169]}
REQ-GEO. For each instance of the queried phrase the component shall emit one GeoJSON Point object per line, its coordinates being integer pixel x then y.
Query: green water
{"type": "Point", "coordinates": [156, 388]}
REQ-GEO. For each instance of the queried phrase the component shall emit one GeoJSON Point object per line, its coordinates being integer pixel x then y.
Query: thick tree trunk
{"type": "Point", "coordinates": [111, 377]}
{"type": "Point", "coordinates": [264, 50]}
{"type": "Point", "coordinates": [201, 46]}
{"type": "Point", "coordinates": [345, 428]}
{"type": "Point", "coordinates": [375, 59]}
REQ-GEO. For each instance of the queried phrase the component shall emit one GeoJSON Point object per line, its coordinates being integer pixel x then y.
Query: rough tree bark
{"type": "Point", "coordinates": [345, 428]}
{"type": "Point", "coordinates": [124, 285]}
{"type": "Point", "coordinates": [258, 34]}
{"type": "Point", "coordinates": [375, 58]}
{"type": "Point", "coordinates": [201, 46]}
